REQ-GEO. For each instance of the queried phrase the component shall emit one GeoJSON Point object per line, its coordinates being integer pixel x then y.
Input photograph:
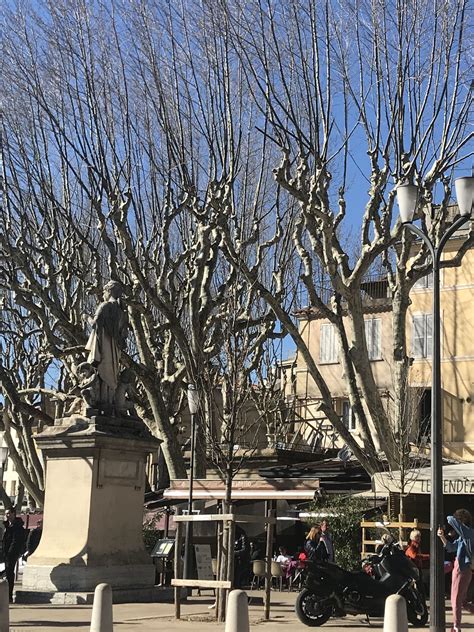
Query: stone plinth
{"type": "Point", "coordinates": [93, 513]}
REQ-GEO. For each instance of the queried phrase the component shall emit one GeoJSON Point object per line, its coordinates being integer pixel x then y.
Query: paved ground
{"type": "Point", "coordinates": [196, 617]}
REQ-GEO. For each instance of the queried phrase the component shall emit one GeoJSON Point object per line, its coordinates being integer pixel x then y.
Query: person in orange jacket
{"type": "Point", "coordinates": [413, 549]}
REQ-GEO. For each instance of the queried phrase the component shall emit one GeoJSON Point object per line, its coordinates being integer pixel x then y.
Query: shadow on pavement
{"type": "Point", "coordinates": [51, 624]}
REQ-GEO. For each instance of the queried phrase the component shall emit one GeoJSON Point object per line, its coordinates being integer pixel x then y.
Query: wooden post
{"type": "Point", "coordinates": [268, 559]}
{"type": "Point", "coordinates": [177, 569]}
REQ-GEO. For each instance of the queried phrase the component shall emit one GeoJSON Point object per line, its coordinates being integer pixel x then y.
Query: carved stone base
{"type": "Point", "coordinates": [93, 512]}
{"type": "Point", "coordinates": [126, 427]}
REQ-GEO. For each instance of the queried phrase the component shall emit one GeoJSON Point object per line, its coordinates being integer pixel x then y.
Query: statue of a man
{"type": "Point", "coordinates": [107, 339]}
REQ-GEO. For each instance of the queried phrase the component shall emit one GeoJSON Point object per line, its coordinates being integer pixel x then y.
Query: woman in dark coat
{"type": "Point", "coordinates": [314, 547]}
{"type": "Point", "coordinates": [13, 546]}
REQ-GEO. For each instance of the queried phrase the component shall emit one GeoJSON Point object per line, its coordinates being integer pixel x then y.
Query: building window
{"type": "Point", "coordinates": [13, 488]}
{"type": "Point", "coordinates": [373, 331]}
{"type": "Point", "coordinates": [425, 282]}
{"type": "Point", "coordinates": [347, 416]}
{"type": "Point", "coordinates": [422, 346]}
{"type": "Point", "coordinates": [328, 347]}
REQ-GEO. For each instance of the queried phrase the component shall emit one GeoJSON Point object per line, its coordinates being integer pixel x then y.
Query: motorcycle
{"type": "Point", "coordinates": [329, 590]}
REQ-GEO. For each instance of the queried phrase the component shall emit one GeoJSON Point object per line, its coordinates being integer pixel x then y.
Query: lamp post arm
{"type": "Point", "coordinates": [449, 233]}
{"type": "Point", "coordinates": [419, 233]}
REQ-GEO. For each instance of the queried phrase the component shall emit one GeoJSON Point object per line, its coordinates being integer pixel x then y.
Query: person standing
{"type": "Point", "coordinates": [13, 546]}
{"type": "Point", "coordinates": [314, 547]}
{"type": "Point", "coordinates": [327, 539]}
{"type": "Point", "coordinates": [461, 522]}
{"type": "Point", "coordinates": [254, 552]}
{"type": "Point", "coordinates": [413, 550]}
{"type": "Point", "coordinates": [241, 557]}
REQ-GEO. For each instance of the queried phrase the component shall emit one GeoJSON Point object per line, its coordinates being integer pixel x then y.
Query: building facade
{"type": "Point", "coordinates": [457, 353]}
{"type": "Point", "coordinates": [457, 349]}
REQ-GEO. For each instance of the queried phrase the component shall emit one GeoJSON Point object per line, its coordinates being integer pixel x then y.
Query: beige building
{"type": "Point", "coordinates": [310, 426]}
{"type": "Point", "coordinates": [457, 352]}
{"type": "Point", "coordinates": [457, 349]}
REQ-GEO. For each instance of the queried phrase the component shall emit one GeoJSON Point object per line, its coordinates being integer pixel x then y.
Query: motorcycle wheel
{"type": "Point", "coordinates": [310, 610]}
{"type": "Point", "coordinates": [417, 613]}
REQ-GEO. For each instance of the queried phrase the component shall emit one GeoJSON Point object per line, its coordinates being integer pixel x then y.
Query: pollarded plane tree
{"type": "Point", "coordinates": [22, 373]}
{"type": "Point", "coordinates": [359, 100]}
{"type": "Point", "coordinates": [122, 139]}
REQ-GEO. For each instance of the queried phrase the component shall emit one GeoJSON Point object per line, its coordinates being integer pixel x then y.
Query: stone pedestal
{"type": "Point", "coordinates": [93, 513]}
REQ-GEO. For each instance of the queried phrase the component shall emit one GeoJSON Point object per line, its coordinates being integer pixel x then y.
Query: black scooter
{"type": "Point", "coordinates": [331, 591]}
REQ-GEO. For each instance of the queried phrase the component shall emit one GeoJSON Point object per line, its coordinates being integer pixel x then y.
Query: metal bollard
{"type": "Point", "coordinates": [4, 607]}
{"type": "Point", "coordinates": [102, 618]}
{"type": "Point", "coordinates": [395, 617]}
{"type": "Point", "coordinates": [237, 615]}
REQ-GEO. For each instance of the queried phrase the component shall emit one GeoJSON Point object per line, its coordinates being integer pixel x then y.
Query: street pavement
{"type": "Point", "coordinates": [196, 617]}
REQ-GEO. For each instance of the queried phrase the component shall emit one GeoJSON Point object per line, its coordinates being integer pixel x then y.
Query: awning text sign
{"type": "Point", "coordinates": [456, 486]}
{"type": "Point", "coordinates": [457, 479]}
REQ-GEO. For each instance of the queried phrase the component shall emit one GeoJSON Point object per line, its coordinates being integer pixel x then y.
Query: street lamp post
{"type": "Point", "coordinates": [407, 197]}
{"type": "Point", "coordinates": [193, 406]}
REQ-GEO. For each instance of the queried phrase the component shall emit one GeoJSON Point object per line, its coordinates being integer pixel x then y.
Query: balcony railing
{"type": "Point", "coordinates": [373, 287]}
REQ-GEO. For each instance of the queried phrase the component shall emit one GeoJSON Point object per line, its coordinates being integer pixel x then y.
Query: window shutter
{"type": "Point", "coordinates": [372, 335]}
{"type": "Point", "coordinates": [418, 342]}
{"type": "Point", "coordinates": [324, 342]}
{"type": "Point", "coordinates": [428, 335]}
{"type": "Point", "coordinates": [425, 282]}
{"type": "Point", "coordinates": [334, 345]}
{"type": "Point", "coordinates": [377, 329]}
{"type": "Point", "coordinates": [328, 346]}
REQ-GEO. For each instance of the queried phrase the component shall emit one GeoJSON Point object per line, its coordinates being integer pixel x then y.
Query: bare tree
{"type": "Point", "coordinates": [356, 92]}
{"type": "Point", "coordinates": [138, 142]}
{"type": "Point", "coordinates": [409, 441]}
{"type": "Point", "coordinates": [124, 132]}
{"type": "Point", "coordinates": [22, 377]}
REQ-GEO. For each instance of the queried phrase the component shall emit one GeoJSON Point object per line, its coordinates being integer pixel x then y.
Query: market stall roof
{"type": "Point", "coordinates": [248, 489]}
{"type": "Point", "coordinates": [457, 479]}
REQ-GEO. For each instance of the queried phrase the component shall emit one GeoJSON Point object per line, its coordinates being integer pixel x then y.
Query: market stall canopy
{"type": "Point", "coordinates": [299, 489]}
{"type": "Point", "coordinates": [457, 479]}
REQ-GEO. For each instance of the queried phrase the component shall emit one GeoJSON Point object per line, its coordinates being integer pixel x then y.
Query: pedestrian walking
{"type": "Point", "coordinates": [461, 522]}
{"type": "Point", "coordinates": [13, 546]}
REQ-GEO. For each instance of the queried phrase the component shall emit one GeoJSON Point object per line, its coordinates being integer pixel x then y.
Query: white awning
{"type": "Point", "coordinates": [457, 479]}
{"type": "Point", "coordinates": [240, 494]}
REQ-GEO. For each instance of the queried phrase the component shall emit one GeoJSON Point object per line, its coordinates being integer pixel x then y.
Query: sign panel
{"type": "Point", "coordinates": [203, 561]}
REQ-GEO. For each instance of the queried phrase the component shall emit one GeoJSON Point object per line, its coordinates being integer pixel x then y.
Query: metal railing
{"type": "Point", "coordinates": [373, 287]}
